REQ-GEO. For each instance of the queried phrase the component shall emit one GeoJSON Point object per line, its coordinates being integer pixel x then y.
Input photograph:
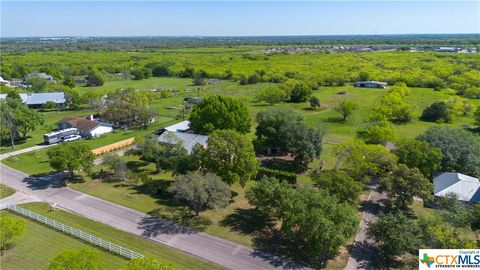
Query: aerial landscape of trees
{"type": "Point", "coordinates": [293, 148]}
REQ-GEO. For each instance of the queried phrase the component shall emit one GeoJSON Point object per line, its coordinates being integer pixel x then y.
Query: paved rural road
{"type": "Point", "coordinates": [214, 249]}
{"type": "Point", "coordinates": [362, 254]}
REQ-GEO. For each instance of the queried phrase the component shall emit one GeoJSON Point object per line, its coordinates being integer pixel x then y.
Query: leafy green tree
{"type": "Point", "coordinates": [147, 263]}
{"type": "Point", "coordinates": [379, 132]}
{"type": "Point", "coordinates": [440, 235]}
{"type": "Point", "coordinates": [270, 95]}
{"type": "Point", "coordinates": [460, 148]}
{"type": "Point", "coordinates": [8, 122]}
{"type": "Point", "coordinates": [395, 235]}
{"type": "Point", "coordinates": [127, 107]}
{"type": "Point", "coordinates": [17, 118]}
{"type": "Point", "coordinates": [362, 160]}
{"type": "Point", "coordinates": [472, 92]}
{"type": "Point", "coordinates": [95, 78]}
{"type": "Point", "coordinates": [403, 184]}
{"type": "Point", "coordinates": [314, 102]}
{"type": "Point", "coordinates": [49, 105]}
{"type": "Point", "coordinates": [37, 84]}
{"type": "Point", "coordinates": [94, 100]}
{"type": "Point", "coordinates": [10, 229]}
{"type": "Point", "coordinates": [72, 99]}
{"type": "Point", "coordinates": [340, 184]}
{"type": "Point", "coordinates": [301, 141]}
{"type": "Point", "coordinates": [270, 121]}
{"type": "Point", "coordinates": [117, 165]}
{"type": "Point", "coordinates": [345, 108]}
{"type": "Point", "coordinates": [393, 107]}
{"type": "Point", "coordinates": [71, 157]}
{"type": "Point", "coordinates": [475, 222]}
{"type": "Point", "coordinates": [253, 79]}
{"type": "Point", "coordinates": [454, 212]}
{"type": "Point", "coordinates": [165, 155]}
{"type": "Point", "coordinates": [76, 259]}
{"type": "Point", "coordinates": [219, 112]}
{"type": "Point", "coordinates": [201, 191]}
{"type": "Point", "coordinates": [299, 92]}
{"type": "Point", "coordinates": [230, 155]}
{"type": "Point", "coordinates": [162, 69]}
{"type": "Point", "coordinates": [69, 81]}
{"type": "Point", "coordinates": [363, 76]}
{"type": "Point", "coordinates": [303, 214]}
{"type": "Point", "coordinates": [419, 154]}
{"type": "Point", "coordinates": [476, 116]}
{"type": "Point", "coordinates": [438, 111]}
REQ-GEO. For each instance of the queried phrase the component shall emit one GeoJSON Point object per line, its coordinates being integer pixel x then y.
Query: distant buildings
{"type": "Point", "coordinates": [41, 75]}
{"type": "Point", "coordinates": [4, 82]}
{"type": "Point", "coordinates": [446, 49]}
{"type": "Point", "coordinates": [183, 132]}
{"type": "Point", "coordinates": [466, 188]}
{"type": "Point", "coordinates": [87, 127]}
{"type": "Point", "coordinates": [371, 84]}
{"type": "Point", "coordinates": [37, 100]}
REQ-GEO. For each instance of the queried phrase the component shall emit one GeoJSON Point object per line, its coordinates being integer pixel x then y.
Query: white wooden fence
{"type": "Point", "coordinates": [72, 231]}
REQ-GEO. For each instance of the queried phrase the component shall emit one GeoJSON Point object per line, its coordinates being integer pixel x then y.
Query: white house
{"type": "Point", "coordinates": [466, 188]}
{"type": "Point", "coordinates": [183, 132]}
{"type": "Point", "coordinates": [88, 127]}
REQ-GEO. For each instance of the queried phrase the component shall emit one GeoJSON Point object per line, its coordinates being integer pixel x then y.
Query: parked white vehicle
{"type": "Point", "coordinates": [72, 138]}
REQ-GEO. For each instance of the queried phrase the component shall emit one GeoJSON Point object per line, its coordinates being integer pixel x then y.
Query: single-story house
{"type": "Point", "coordinates": [183, 132]}
{"type": "Point", "coordinates": [42, 75]}
{"type": "Point", "coordinates": [37, 100]}
{"type": "Point", "coordinates": [446, 49]}
{"type": "Point", "coordinates": [4, 82]}
{"type": "Point", "coordinates": [466, 188]}
{"type": "Point", "coordinates": [371, 84]}
{"type": "Point", "coordinates": [189, 139]}
{"type": "Point", "coordinates": [183, 126]}
{"type": "Point", "coordinates": [88, 127]}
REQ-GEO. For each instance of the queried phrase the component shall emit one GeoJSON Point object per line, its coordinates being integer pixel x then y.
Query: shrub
{"type": "Point", "coordinates": [291, 178]}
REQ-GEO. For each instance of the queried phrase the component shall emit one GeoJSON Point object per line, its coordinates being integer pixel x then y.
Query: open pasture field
{"type": "Point", "coordinates": [40, 244]}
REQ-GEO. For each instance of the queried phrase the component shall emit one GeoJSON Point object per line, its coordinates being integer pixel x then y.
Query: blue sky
{"type": "Point", "coordinates": [229, 18]}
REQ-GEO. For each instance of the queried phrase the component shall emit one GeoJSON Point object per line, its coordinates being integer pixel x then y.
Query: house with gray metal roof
{"type": "Point", "coordinates": [465, 187]}
{"type": "Point", "coordinates": [181, 131]}
{"type": "Point", "coordinates": [371, 84]}
{"type": "Point", "coordinates": [37, 100]}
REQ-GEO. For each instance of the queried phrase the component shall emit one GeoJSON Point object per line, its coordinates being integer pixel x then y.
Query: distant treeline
{"type": "Point", "coordinates": [147, 43]}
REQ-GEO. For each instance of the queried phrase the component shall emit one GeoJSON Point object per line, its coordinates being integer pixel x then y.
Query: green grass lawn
{"type": "Point", "coordinates": [37, 162]}
{"type": "Point", "coordinates": [210, 221]}
{"type": "Point", "coordinates": [36, 137]}
{"type": "Point", "coordinates": [6, 191]}
{"type": "Point", "coordinates": [40, 243]}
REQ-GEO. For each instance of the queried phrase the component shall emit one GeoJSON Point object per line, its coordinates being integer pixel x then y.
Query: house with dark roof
{"type": "Point", "coordinates": [37, 100]}
{"type": "Point", "coordinates": [88, 127]}
{"type": "Point", "coordinates": [466, 188]}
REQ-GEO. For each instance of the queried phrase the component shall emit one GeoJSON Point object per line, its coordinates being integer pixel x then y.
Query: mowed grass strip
{"type": "Point", "coordinates": [39, 245]}
{"type": "Point", "coordinates": [6, 191]}
{"type": "Point", "coordinates": [21, 252]}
